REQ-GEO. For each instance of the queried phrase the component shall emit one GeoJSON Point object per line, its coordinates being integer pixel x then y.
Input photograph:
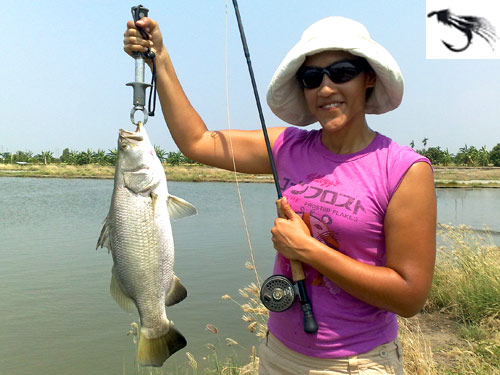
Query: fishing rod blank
{"type": "Point", "coordinates": [278, 292]}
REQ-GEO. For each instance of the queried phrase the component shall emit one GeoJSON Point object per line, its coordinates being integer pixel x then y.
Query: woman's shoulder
{"type": "Point", "coordinates": [396, 151]}
{"type": "Point", "coordinates": [293, 135]}
{"type": "Point", "coordinates": [398, 159]}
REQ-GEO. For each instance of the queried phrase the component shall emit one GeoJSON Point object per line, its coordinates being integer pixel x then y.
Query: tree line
{"type": "Point", "coordinates": [73, 157]}
{"type": "Point", "coordinates": [469, 156]}
{"type": "Point", "coordinates": [466, 156]}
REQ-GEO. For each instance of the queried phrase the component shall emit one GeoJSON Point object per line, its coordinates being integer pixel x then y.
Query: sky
{"type": "Point", "coordinates": [64, 70]}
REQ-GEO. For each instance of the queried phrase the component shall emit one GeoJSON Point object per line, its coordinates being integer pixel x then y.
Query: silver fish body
{"type": "Point", "coordinates": [138, 233]}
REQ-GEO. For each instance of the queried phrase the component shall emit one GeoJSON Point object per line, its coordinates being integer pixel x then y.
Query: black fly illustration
{"type": "Point", "coordinates": [468, 25]}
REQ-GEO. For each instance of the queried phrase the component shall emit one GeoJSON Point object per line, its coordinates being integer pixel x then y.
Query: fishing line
{"type": "Point", "coordinates": [232, 155]}
{"type": "Point", "coordinates": [276, 286]}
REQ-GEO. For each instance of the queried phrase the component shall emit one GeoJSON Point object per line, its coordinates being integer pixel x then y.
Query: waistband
{"type": "Point", "coordinates": [381, 353]}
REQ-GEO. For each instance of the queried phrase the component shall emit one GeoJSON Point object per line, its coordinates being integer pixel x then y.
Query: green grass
{"type": "Point", "coordinates": [466, 287]}
{"type": "Point", "coordinates": [467, 276]}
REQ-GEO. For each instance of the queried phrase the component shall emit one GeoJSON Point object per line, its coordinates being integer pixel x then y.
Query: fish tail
{"type": "Point", "coordinates": [155, 351]}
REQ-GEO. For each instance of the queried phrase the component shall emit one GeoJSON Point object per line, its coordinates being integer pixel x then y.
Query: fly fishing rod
{"type": "Point", "coordinates": [278, 292]}
{"type": "Point", "coordinates": [139, 85]}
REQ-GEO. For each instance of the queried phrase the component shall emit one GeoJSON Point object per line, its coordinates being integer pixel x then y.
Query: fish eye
{"type": "Point", "coordinates": [123, 143]}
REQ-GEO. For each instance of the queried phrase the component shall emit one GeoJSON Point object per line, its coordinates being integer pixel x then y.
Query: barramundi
{"type": "Point", "coordinates": [138, 233]}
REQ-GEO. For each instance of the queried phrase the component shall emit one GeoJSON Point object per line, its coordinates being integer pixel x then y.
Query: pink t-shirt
{"type": "Point", "coordinates": [343, 199]}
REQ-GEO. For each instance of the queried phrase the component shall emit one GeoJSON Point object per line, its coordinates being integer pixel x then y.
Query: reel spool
{"type": "Point", "coordinates": [277, 293]}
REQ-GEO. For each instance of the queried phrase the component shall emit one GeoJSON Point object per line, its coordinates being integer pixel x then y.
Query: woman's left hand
{"type": "Point", "coordinates": [290, 234]}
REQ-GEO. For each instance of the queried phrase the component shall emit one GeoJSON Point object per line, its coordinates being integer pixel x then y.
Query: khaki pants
{"type": "Point", "coordinates": [277, 359]}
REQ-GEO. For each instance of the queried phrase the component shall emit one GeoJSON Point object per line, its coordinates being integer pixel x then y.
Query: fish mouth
{"type": "Point", "coordinates": [132, 136]}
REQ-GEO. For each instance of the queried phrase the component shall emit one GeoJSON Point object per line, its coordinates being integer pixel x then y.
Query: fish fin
{"type": "Point", "coordinates": [176, 293]}
{"type": "Point", "coordinates": [140, 181]}
{"type": "Point", "coordinates": [154, 352]}
{"type": "Point", "coordinates": [104, 240]}
{"type": "Point", "coordinates": [179, 208]}
{"type": "Point", "coordinates": [121, 298]}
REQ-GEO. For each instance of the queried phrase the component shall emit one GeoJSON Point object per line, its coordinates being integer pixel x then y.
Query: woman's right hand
{"type": "Point", "coordinates": [186, 126]}
{"type": "Point", "coordinates": [134, 42]}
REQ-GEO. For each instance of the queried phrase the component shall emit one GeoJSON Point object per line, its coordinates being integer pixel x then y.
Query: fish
{"type": "Point", "coordinates": [138, 233]}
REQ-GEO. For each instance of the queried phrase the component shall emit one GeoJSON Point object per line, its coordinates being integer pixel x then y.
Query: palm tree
{"type": "Point", "coordinates": [174, 158]}
{"type": "Point", "coordinates": [46, 156]}
{"type": "Point", "coordinates": [162, 155]}
{"type": "Point", "coordinates": [447, 157]}
{"type": "Point", "coordinates": [111, 156]}
{"type": "Point", "coordinates": [467, 156]}
{"type": "Point", "coordinates": [7, 157]}
{"type": "Point", "coordinates": [483, 157]}
{"type": "Point", "coordinates": [100, 157]}
{"type": "Point", "coordinates": [23, 156]}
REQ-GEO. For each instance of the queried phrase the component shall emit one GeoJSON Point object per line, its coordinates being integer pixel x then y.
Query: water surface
{"type": "Point", "coordinates": [57, 315]}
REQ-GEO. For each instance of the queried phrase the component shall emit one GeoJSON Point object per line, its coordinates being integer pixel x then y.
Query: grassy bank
{"type": "Point", "coordinates": [444, 176]}
{"type": "Point", "coordinates": [461, 320]}
{"type": "Point", "coordinates": [188, 172]}
{"type": "Point", "coordinates": [467, 176]}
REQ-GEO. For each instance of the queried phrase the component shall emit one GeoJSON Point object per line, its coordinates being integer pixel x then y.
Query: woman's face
{"type": "Point", "coordinates": [337, 105]}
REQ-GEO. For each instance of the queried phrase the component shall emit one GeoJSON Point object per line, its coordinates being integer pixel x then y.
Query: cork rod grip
{"type": "Point", "coordinates": [297, 270]}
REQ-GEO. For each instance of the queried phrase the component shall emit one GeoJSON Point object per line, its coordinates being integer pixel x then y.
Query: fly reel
{"type": "Point", "coordinates": [277, 293]}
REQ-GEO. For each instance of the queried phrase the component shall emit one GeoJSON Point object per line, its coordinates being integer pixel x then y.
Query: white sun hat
{"type": "Point", "coordinates": [285, 96]}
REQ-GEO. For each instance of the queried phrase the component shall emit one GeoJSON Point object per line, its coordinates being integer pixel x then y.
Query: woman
{"type": "Point", "coordinates": [360, 210]}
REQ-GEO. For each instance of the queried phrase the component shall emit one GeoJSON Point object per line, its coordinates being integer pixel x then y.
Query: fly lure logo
{"type": "Point", "coordinates": [462, 29]}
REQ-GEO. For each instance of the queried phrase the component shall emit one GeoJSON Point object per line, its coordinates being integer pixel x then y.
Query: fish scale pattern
{"type": "Point", "coordinates": [143, 254]}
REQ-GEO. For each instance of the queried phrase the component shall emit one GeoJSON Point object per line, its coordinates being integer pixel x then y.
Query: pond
{"type": "Point", "coordinates": [57, 314]}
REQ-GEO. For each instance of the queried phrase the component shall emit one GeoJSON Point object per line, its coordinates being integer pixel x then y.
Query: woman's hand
{"type": "Point", "coordinates": [134, 42]}
{"type": "Point", "coordinates": [290, 234]}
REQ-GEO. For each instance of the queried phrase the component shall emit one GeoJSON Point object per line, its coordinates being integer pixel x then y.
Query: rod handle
{"type": "Point", "coordinates": [310, 324]}
{"type": "Point", "coordinates": [298, 276]}
{"type": "Point", "coordinates": [297, 270]}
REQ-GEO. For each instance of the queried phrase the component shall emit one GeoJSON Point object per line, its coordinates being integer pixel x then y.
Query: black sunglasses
{"type": "Point", "coordinates": [342, 71]}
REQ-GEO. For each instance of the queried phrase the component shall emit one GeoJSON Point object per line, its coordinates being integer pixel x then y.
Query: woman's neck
{"type": "Point", "coordinates": [348, 140]}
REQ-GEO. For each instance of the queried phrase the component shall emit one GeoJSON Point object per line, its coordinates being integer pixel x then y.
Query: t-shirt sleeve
{"type": "Point", "coordinates": [286, 140]}
{"type": "Point", "coordinates": [399, 165]}
{"type": "Point", "coordinates": [279, 142]}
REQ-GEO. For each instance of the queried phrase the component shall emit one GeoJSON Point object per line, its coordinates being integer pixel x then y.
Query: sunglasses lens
{"type": "Point", "coordinates": [342, 72]}
{"type": "Point", "coordinates": [339, 72]}
{"type": "Point", "coordinates": [311, 77]}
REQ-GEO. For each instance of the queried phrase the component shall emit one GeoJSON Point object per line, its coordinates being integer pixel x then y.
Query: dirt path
{"type": "Point", "coordinates": [443, 335]}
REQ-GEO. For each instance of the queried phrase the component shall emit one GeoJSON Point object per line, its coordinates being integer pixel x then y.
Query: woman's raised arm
{"type": "Point", "coordinates": [188, 130]}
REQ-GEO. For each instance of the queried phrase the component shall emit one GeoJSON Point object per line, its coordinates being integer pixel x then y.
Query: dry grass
{"type": "Point", "coordinates": [466, 288]}
{"type": "Point", "coordinates": [470, 177]}
{"type": "Point", "coordinates": [418, 357]}
{"type": "Point", "coordinates": [467, 275]}
{"type": "Point", "coordinates": [187, 172]}
{"type": "Point", "coordinates": [57, 171]}
{"type": "Point", "coordinates": [444, 176]}
{"type": "Point", "coordinates": [201, 173]}
{"type": "Point", "coordinates": [467, 173]}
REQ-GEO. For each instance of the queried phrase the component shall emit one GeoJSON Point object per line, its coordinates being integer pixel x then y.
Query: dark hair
{"type": "Point", "coordinates": [369, 70]}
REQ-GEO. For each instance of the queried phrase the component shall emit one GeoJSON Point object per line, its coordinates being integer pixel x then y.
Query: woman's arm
{"type": "Point", "coordinates": [402, 285]}
{"type": "Point", "coordinates": [186, 126]}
